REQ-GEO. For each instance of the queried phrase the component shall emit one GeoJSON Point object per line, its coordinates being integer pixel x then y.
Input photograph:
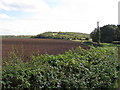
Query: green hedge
{"type": "Point", "coordinates": [76, 69]}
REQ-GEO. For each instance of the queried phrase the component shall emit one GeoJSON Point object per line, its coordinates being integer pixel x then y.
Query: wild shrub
{"type": "Point", "coordinates": [76, 69]}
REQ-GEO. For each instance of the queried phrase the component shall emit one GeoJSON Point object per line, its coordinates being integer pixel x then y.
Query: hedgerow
{"type": "Point", "coordinates": [96, 68]}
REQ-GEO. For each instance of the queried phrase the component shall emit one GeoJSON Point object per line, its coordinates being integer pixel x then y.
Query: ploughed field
{"type": "Point", "coordinates": [28, 47]}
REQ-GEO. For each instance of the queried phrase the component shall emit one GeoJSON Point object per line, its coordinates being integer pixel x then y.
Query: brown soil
{"type": "Point", "coordinates": [28, 47]}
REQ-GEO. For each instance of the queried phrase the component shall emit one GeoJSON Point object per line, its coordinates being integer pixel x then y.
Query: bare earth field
{"type": "Point", "coordinates": [28, 47]}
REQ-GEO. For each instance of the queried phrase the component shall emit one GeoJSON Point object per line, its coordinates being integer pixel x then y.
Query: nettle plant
{"type": "Point", "coordinates": [76, 69]}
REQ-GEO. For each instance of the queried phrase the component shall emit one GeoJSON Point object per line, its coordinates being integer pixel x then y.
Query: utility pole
{"type": "Point", "coordinates": [98, 28]}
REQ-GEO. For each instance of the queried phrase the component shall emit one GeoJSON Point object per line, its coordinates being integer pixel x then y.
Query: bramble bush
{"type": "Point", "coordinates": [76, 69]}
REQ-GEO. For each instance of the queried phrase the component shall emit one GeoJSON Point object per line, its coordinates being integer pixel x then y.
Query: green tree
{"type": "Point", "coordinates": [94, 35]}
{"type": "Point", "coordinates": [117, 33]}
{"type": "Point", "coordinates": [107, 33]}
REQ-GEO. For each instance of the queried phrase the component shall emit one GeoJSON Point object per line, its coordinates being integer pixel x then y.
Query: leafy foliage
{"type": "Point", "coordinates": [75, 69]}
{"type": "Point", "coordinates": [63, 35]}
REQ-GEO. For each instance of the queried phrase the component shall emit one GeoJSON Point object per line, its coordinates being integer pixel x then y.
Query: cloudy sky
{"type": "Point", "coordinates": [31, 17]}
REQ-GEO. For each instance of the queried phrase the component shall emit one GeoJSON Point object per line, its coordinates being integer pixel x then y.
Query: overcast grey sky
{"type": "Point", "coordinates": [31, 17]}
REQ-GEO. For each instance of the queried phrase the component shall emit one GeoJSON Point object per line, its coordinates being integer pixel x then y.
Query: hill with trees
{"type": "Point", "coordinates": [63, 35]}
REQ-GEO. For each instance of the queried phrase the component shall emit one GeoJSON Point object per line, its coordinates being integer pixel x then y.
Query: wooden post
{"type": "Point", "coordinates": [98, 32]}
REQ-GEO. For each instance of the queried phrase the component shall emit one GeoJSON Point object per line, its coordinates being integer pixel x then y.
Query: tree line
{"type": "Point", "coordinates": [108, 34]}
